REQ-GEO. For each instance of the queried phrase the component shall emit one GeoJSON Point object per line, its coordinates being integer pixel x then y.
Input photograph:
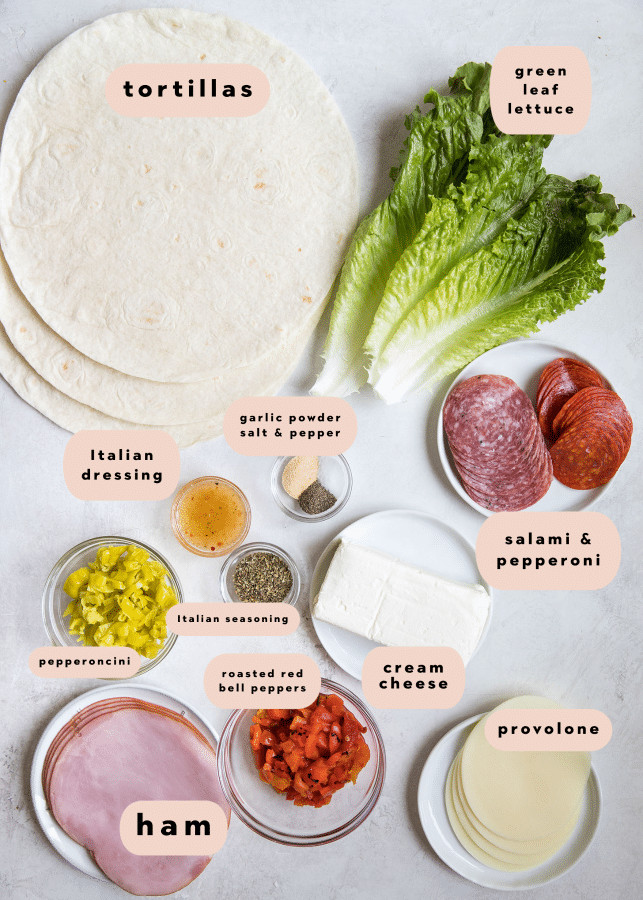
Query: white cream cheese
{"type": "Point", "coordinates": [375, 595]}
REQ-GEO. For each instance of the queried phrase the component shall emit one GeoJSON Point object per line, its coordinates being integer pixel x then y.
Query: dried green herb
{"type": "Point", "coordinates": [262, 578]}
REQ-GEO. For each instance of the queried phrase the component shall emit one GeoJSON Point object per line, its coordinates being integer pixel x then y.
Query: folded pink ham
{"type": "Point", "coordinates": [116, 752]}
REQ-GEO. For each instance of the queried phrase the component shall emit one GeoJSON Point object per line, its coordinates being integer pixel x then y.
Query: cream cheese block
{"type": "Point", "coordinates": [379, 597]}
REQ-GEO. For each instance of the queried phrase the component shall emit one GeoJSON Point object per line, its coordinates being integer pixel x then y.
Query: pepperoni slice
{"type": "Point", "coordinates": [585, 456]}
{"type": "Point", "coordinates": [590, 401]}
{"type": "Point", "coordinates": [560, 380]}
{"type": "Point", "coordinates": [586, 424]}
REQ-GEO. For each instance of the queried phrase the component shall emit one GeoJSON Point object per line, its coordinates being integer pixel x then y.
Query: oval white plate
{"type": "Point", "coordinates": [522, 361]}
{"type": "Point", "coordinates": [71, 851]}
{"type": "Point", "coordinates": [435, 823]}
{"type": "Point", "coordinates": [415, 538]}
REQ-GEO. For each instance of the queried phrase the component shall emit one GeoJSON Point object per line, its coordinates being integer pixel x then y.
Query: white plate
{"type": "Point", "coordinates": [435, 822]}
{"type": "Point", "coordinates": [522, 361]}
{"type": "Point", "coordinates": [75, 854]}
{"type": "Point", "coordinates": [415, 538]}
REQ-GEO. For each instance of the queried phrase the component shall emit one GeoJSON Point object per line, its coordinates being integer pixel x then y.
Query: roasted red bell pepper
{"type": "Point", "coordinates": [309, 753]}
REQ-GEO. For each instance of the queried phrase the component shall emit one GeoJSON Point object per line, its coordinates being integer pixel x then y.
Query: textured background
{"type": "Point", "coordinates": [580, 648]}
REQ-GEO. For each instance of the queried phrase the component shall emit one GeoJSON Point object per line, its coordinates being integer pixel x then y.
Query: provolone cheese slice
{"type": "Point", "coordinates": [526, 853]}
{"type": "Point", "coordinates": [522, 795]}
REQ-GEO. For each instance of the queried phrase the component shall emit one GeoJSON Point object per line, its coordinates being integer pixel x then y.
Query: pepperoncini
{"type": "Point", "coordinates": [120, 600]}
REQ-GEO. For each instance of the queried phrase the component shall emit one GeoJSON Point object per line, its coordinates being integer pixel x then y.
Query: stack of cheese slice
{"type": "Point", "coordinates": [381, 598]}
{"type": "Point", "coordinates": [154, 270]}
{"type": "Point", "coordinates": [513, 810]}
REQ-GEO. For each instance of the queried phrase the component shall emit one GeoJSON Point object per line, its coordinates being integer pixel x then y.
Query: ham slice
{"type": "Point", "coordinates": [113, 754]}
{"type": "Point", "coordinates": [88, 714]}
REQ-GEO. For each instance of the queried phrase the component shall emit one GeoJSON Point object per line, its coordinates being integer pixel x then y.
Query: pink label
{"type": "Point", "coordinates": [84, 662]}
{"type": "Point", "coordinates": [173, 828]}
{"type": "Point", "coordinates": [290, 426]}
{"type": "Point", "coordinates": [121, 465]}
{"type": "Point", "coordinates": [548, 729]}
{"type": "Point", "coordinates": [540, 90]}
{"type": "Point", "coordinates": [249, 619]}
{"type": "Point", "coordinates": [262, 680]}
{"type": "Point", "coordinates": [548, 551]}
{"type": "Point", "coordinates": [188, 90]}
{"type": "Point", "coordinates": [413, 677]}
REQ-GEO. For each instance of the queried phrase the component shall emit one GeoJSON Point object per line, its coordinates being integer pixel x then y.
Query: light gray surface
{"type": "Point", "coordinates": [580, 648]}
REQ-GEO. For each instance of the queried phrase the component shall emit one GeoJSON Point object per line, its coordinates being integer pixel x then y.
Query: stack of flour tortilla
{"type": "Point", "coordinates": [156, 269]}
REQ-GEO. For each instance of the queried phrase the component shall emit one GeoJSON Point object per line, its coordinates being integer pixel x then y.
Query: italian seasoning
{"type": "Point", "coordinates": [262, 578]}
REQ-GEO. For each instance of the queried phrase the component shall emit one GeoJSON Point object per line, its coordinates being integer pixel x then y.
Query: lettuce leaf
{"type": "Point", "coordinates": [434, 157]}
{"type": "Point", "coordinates": [502, 176]}
{"type": "Point", "coordinates": [475, 245]}
{"type": "Point", "coordinates": [544, 262]}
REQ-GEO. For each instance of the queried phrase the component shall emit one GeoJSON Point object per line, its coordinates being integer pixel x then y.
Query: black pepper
{"type": "Point", "coordinates": [316, 499]}
{"type": "Point", "coordinates": [262, 578]}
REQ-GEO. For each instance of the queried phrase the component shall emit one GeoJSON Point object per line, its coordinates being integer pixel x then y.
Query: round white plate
{"type": "Point", "coordinates": [435, 822]}
{"type": "Point", "coordinates": [75, 854]}
{"type": "Point", "coordinates": [523, 362]}
{"type": "Point", "coordinates": [413, 537]}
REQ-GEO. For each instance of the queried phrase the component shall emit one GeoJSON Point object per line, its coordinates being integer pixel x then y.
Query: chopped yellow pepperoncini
{"type": "Point", "coordinates": [120, 600]}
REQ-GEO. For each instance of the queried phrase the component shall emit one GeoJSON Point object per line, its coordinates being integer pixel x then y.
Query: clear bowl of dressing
{"type": "Point", "coordinates": [210, 516]}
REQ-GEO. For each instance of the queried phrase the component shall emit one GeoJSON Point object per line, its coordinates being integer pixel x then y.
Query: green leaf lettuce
{"type": "Point", "coordinates": [475, 245]}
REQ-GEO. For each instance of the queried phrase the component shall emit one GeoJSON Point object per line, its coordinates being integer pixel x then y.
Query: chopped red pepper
{"type": "Point", "coordinates": [310, 753]}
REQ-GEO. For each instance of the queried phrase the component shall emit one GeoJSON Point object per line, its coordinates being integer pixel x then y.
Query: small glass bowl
{"type": "Point", "coordinates": [176, 523]}
{"type": "Point", "coordinates": [269, 813]}
{"type": "Point", "coordinates": [55, 600]}
{"type": "Point", "coordinates": [334, 474]}
{"type": "Point", "coordinates": [226, 579]}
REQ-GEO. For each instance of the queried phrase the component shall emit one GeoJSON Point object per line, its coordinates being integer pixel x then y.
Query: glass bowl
{"type": "Point", "coordinates": [269, 813]}
{"type": "Point", "coordinates": [334, 474]}
{"type": "Point", "coordinates": [55, 600]}
{"type": "Point", "coordinates": [226, 579]}
{"type": "Point", "coordinates": [175, 519]}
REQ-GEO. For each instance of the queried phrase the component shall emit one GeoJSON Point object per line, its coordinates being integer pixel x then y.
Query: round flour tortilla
{"type": "Point", "coordinates": [173, 249]}
{"type": "Point", "coordinates": [123, 396]}
{"type": "Point", "coordinates": [74, 416]}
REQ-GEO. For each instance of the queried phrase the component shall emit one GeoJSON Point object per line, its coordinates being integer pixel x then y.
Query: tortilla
{"type": "Point", "coordinates": [174, 249]}
{"type": "Point", "coordinates": [122, 396]}
{"type": "Point", "coordinates": [74, 416]}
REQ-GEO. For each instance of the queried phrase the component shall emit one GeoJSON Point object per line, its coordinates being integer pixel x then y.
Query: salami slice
{"type": "Point", "coordinates": [496, 443]}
